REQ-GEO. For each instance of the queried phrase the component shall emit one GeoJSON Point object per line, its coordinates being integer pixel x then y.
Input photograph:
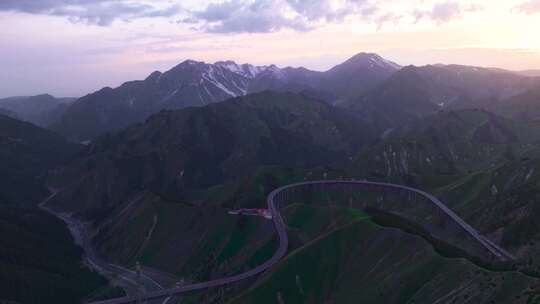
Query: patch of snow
{"type": "Point", "coordinates": [404, 161]}
{"type": "Point", "coordinates": [210, 77]}
{"type": "Point", "coordinates": [200, 97]}
{"type": "Point", "coordinates": [275, 71]}
{"type": "Point", "coordinates": [494, 190]}
{"type": "Point", "coordinates": [246, 70]}
{"type": "Point", "coordinates": [208, 91]}
{"type": "Point", "coordinates": [386, 133]}
{"type": "Point", "coordinates": [253, 71]}
{"type": "Point", "coordinates": [531, 171]}
{"type": "Point", "coordinates": [242, 87]}
{"type": "Point", "coordinates": [231, 66]}
{"type": "Point", "coordinates": [383, 63]}
{"type": "Point", "coordinates": [170, 95]}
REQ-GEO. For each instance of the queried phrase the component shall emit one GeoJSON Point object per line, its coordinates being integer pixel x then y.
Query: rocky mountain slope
{"type": "Point", "coordinates": [482, 165]}
{"type": "Point", "coordinates": [357, 75]}
{"type": "Point", "coordinates": [358, 261]}
{"type": "Point", "coordinates": [503, 202]}
{"type": "Point", "coordinates": [448, 143]}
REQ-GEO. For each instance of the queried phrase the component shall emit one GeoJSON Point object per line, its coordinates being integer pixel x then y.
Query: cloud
{"type": "Point", "coordinates": [381, 20]}
{"type": "Point", "coordinates": [529, 7]}
{"type": "Point", "coordinates": [446, 11]}
{"type": "Point", "coordinates": [443, 12]}
{"type": "Point", "coordinates": [256, 16]}
{"type": "Point", "coordinates": [248, 16]}
{"type": "Point", "coordinates": [97, 12]}
{"type": "Point", "coordinates": [316, 10]}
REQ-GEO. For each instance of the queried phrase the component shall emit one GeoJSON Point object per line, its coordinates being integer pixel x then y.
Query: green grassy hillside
{"type": "Point", "coordinates": [483, 166]}
{"type": "Point", "coordinates": [361, 262]}
{"type": "Point", "coordinates": [160, 192]}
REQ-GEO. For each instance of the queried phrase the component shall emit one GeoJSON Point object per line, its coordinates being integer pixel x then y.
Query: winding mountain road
{"type": "Point", "coordinates": [278, 196]}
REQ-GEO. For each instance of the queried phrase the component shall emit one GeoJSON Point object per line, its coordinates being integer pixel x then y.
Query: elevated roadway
{"type": "Point", "coordinates": [280, 196]}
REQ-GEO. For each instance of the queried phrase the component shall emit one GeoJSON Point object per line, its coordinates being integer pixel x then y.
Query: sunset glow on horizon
{"type": "Point", "coordinates": [75, 48]}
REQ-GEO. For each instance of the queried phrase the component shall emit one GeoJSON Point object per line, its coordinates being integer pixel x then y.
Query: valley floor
{"type": "Point", "coordinates": [127, 279]}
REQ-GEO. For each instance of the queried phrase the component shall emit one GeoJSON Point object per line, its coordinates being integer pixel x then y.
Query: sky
{"type": "Point", "coordinates": [74, 47]}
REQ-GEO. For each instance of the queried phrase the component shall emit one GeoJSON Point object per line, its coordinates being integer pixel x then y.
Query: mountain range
{"type": "Point", "coordinates": [183, 170]}
{"type": "Point", "coordinates": [169, 157]}
{"type": "Point", "coordinates": [27, 153]}
{"type": "Point", "coordinates": [377, 90]}
{"type": "Point", "coordinates": [415, 92]}
{"type": "Point", "coordinates": [41, 110]}
{"type": "Point", "coordinates": [176, 153]}
{"type": "Point", "coordinates": [193, 83]}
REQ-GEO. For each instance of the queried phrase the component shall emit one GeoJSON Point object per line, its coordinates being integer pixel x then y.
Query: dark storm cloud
{"type": "Point", "coordinates": [263, 16]}
{"type": "Point", "coordinates": [99, 12]}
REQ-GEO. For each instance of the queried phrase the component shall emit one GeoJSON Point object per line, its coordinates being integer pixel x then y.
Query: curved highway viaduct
{"type": "Point", "coordinates": [281, 196]}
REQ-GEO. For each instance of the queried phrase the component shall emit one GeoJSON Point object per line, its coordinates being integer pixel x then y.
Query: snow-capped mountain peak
{"type": "Point", "coordinates": [369, 61]}
{"type": "Point", "coordinates": [246, 70]}
{"type": "Point", "coordinates": [196, 83]}
{"type": "Point", "coordinates": [230, 65]}
{"type": "Point", "coordinates": [276, 72]}
{"type": "Point", "coordinates": [383, 63]}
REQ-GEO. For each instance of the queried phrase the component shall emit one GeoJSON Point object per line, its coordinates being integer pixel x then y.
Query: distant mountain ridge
{"type": "Point", "coordinates": [377, 90]}
{"type": "Point", "coordinates": [530, 73]}
{"type": "Point", "coordinates": [40, 110]}
{"type": "Point", "coordinates": [195, 83]}
{"type": "Point", "coordinates": [27, 152]}
{"type": "Point", "coordinates": [8, 113]}
{"type": "Point", "coordinates": [216, 143]}
{"type": "Point", "coordinates": [414, 92]}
